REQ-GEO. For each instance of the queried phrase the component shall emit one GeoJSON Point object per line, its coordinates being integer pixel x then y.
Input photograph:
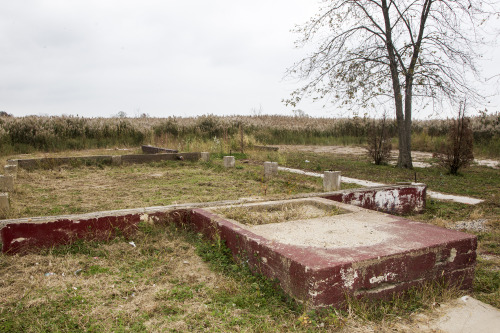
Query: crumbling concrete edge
{"type": "Point", "coordinates": [328, 285]}
{"type": "Point", "coordinates": [25, 233]}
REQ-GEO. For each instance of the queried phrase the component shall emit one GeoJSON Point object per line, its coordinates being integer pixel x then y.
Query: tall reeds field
{"type": "Point", "coordinates": [37, 133]}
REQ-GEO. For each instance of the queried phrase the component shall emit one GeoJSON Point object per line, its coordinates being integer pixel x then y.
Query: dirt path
{"type": "Point", "coordinates": [420, 159]}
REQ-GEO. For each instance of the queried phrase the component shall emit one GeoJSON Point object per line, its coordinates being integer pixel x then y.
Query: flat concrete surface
{"type": "Point", "coordinates": [467, 315]}
{"type": "Point", "coordinates": [360, 252]}
{"type": "Point", "coordinates": [359, 233]}
{"type": "Point", "coordinates": [352, 229]}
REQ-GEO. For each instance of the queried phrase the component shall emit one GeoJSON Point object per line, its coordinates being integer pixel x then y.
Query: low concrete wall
{"type": "Point", "coordinates": [26, 234]}
{"type": "Point", "coordinates": [147, 149]}
{"type": "Point", "coordinates": [23, 237]}
{"type": "Point", "coordinates": [397, 199]}
{"type": "Point", "coordinates": [160, 157]}
{"type": "Point", "coordinates": [50, 162]}
{"type": "Point", "coordinates": [268, 148]}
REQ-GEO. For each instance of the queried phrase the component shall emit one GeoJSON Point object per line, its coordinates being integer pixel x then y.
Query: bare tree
{"type": "Point", "coordinates": [375, 51]}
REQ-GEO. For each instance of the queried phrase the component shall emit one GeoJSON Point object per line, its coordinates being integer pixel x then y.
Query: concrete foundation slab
{"type": "Point", "coordinates": [469, 316]}
{"type": "Point", "coordinates": [28, 234]}
{"type": "Point", "coordinates": [360, 252]}
{"type": "Point", "coordinates": [50, 162]}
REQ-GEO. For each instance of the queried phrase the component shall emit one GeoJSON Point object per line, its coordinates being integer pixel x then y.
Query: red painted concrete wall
{"type": "Point", "coordinates": [310, 275]}
{"type": "Point", "coordinates": [28, 237]}
{"type": "Point", "coordinates": [402, 199]}
{"type": "Point", "coordinates": [21, 237]}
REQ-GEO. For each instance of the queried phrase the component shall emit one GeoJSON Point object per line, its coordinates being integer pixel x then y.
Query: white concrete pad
{"type": "Point", "coordinates": [469, 316]}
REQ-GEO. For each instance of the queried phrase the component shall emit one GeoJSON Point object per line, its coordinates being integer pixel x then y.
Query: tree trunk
{"type": "Point", "coordinates": [404, 129]}
{"type": "Point", "coordinates": [404, 158]}
{"type": "Point", "coordinates": [404, 136]}
{"type": "Point", "coordinates": [403, 117]}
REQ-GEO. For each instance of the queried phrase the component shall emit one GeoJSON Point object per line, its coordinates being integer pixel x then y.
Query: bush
{"type": "Point", "coordinates": [457, 153]}
{"type": "Point", "coordinates": [379, 142]}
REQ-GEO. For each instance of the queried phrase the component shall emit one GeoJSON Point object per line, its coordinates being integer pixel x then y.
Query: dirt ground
{"type": "Point", "coordinates": [420, 159]}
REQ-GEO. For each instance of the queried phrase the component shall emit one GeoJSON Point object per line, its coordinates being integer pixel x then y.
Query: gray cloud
{"type": "Point", "coordinates": [164, 57]}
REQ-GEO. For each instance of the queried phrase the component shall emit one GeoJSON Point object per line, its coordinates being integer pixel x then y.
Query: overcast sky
{"type": "Point", "coordinates": [159, 57]}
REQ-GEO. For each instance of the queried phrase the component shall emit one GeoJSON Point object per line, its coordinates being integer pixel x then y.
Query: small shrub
{"type": "Point", "coordinates": [379, 142]}
{"type": "Point", "coordinates": [457, 152]}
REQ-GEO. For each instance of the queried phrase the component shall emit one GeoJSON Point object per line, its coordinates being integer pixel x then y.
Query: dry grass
{"type": "Point", "coordinates": [257, 215]}
{"type": "Point", "coordinates": [66, 189]}
{"type": "Point", "coordinates": [159, 285]}
{"type": "Point", "coordinates": [165, 284]}
{"type": "Point", "coordinates": [28, 134]}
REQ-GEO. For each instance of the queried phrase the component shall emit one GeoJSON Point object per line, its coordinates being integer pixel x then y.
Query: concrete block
{"type": "Point", "coordinates": [229, 161]}
{"type": "Point", "coordinates": [6, 183]}
{"type": "Point", "coordinates": [13, 162]}
{"type": "Point", "coordinates": [116, 160]}
{"type": "Point", "coordinates": [270, 169]}
{"type": "Point", "coordinates": [205, 156]}
{"type": "Point", "coordinates": [4, 203]}
{"type": "Point", "coordinates": [10, 170]}
{"type": "Point", "coordinates": [331, 181]}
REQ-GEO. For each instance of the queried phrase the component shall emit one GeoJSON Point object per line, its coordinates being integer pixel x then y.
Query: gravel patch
{"type": "Point", "coordinates": [471, 225]}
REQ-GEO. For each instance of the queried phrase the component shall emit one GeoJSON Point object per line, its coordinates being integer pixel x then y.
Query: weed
{"type": "Point", "coordinates": [457, 153]}
{"type": "Point", "coordinates": [379, 143]}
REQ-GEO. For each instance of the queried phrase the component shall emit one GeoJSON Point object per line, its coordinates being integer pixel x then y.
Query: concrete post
{"type": "Point", "coordinates": [6, 183]}
{"type": "Point", "coordinates": [205, 156]}
{"type": "Point", "coordinates": [229, 161]}
{"type": "Point", "coordinates": [4, 203]}
{"type": "Point", "coordinates": [11, 170]}
{"type": "Point", "coordinates": [116, 160]}
{"type": "Point", "coordinates": [331, 181]}
{"type": "Point", "coordinates": [270, 169]}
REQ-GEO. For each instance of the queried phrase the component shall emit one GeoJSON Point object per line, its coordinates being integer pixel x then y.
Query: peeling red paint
{"type": "Point", "coordinates": [317, 276]}
{"type": "Point", "coordinates": [322, 277]}
{"type": "Point", "coordinates": [25, 237]}
{"type": "Point", "coordinates": [397, 199]}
